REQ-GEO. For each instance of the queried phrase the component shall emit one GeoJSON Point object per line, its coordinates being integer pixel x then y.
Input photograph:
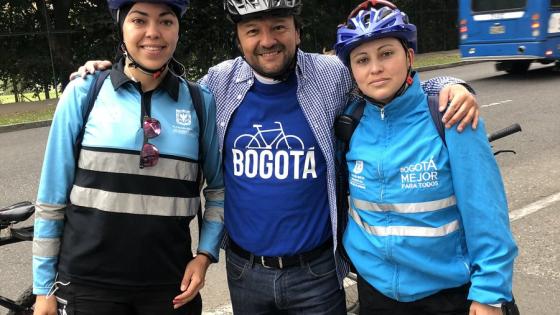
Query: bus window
{"type": "Point", "coordinates": [498, 5]}
{"type": "Point", "coordinates": [555, 3]}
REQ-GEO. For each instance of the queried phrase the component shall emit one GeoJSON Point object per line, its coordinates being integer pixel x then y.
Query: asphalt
{"type": "Point", "coordinates": [34, 106]}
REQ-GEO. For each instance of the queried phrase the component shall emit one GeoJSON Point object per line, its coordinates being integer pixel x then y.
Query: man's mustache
{"type": "Point", "coordinates": [275, 48]}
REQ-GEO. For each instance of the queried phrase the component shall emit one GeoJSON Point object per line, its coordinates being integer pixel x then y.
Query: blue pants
{"type": "Point", "coordinates": [311, 288]}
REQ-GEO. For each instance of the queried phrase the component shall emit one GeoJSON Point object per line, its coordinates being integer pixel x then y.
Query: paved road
{"type": "Point", "coordinates": [530, 176]}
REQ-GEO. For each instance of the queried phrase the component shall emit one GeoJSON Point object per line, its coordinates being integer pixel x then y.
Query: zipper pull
{"type": "Point", "coordinates": [383, 114]}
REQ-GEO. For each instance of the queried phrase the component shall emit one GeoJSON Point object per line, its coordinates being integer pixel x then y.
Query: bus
{"type": "Point", "coordinates": [514, 33]}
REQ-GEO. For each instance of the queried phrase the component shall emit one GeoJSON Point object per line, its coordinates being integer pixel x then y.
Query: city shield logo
{"type": "Point", "coordinates": [358, 167]}
{"type": "Point", "coordinates": [183, 117]}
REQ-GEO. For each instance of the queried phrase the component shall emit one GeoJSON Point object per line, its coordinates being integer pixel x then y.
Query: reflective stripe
{"type": "Point", "coordinates": [214, 213]}
{"type": "Point", "coordinates": [124, 163]}
{"type": "Point", "coordinates": [50, 212]}
{"type": "Point", "coordinates": [405, 230]}
{"type": "Point", "coordinates": [133, 204]}
{"type": "Point", "coordinates": [405, 207]}
{"type": "Point", "coordinates": [46, 247]}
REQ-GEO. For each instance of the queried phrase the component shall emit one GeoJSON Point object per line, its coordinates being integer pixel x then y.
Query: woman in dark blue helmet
{"type": "Point", "coordinates": [428, 229]}
{"type": "Point", "coordinates": [112, 222]}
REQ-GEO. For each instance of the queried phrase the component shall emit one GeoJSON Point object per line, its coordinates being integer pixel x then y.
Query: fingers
{"type": "Point", "coordinates": [89, 68]}
{"type": "Point", "coordinates": [475, 119]}
{"type": "Point", "coordinates": [195, 284]}
{"type": "Point", "coordinates": [469, 117]}
{"type": "Point", "coordinates": [192, 282]}
{"type": "Point", "coordinates": [444, 97]}
{"type": "Point", "coordinates": [454, 105]}
{"type": "Point", "coordinates": [460, 115]}
{"type": "Point", "coordinates": [463, 108]}
{"type": "Point", "coordinates": [98, 65]}
{"type": "Point", "coordinates": [74, 75]}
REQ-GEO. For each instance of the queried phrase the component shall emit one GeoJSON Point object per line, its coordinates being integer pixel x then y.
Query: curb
{"type": "Point", "coordinates": [447, 65]}
{"type": "Point", "coordinates": [23, 126]}
{"type": "Point", "coordinates": [46, 123]}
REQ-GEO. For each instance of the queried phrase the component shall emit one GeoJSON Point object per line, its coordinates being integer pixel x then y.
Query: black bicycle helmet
{"type": "Point", "coordinates": [178, 6]}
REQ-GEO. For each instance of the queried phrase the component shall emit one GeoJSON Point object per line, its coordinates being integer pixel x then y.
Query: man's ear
{"type": "Point", "coordinates": [237, 44]}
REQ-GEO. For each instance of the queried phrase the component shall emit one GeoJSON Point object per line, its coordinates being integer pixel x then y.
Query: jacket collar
{"type": "Point", "coordinates": [170, 82]}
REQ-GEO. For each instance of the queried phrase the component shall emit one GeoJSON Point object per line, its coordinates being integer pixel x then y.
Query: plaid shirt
{"type": "Point", "coordinates": [323, 88]}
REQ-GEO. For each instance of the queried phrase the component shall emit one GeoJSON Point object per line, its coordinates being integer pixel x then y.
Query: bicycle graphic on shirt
{"type": "Point", "coordinates": [258, 140]}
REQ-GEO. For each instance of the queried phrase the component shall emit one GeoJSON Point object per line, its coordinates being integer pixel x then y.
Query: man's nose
{"type": "Point", "coordinates": [268, 39]}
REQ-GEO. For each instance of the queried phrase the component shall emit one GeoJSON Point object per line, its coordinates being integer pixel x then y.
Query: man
{"type": "Point", "coordinates": [276, 107]}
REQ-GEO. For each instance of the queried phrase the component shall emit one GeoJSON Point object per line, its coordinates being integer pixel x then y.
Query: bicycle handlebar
{"type": "Point", "coordinates": [504, 132]}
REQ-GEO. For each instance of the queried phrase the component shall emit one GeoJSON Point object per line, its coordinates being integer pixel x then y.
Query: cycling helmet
{"type": "Point", "coordinates": [237, 10]}
{"type": "Point", "coordinates": [370, 20]}
{"type": "Point", "coordinates": [178, 6]}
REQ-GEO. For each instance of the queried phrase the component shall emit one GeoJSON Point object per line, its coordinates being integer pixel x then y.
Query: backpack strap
{"type": "Point", "coordinates": [196, 96]}
{"type": "Point", "coordinates": [90, 98]}
{"type": "Point", "coordinates": [433, 104]}
{"type": "Point", "coordinates": [345, 124]}
{"type": "Point", "coordinates": [198, 103]}
{"type": "Point", "coordinates": [344, 128]}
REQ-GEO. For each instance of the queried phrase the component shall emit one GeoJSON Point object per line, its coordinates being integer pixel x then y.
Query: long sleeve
{"type": "Point", "coordinates": [213, 222]}
{"type": "Point", "coordinates": [56, 181]}
{"type": "Point", "coordinates": [435, 85]}
{"type": "Point", "coordinates": [481, 200]}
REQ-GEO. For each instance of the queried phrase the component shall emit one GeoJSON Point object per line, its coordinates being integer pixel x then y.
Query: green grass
{"type": "Point", "coordinates": [432, 59]}
{"type": "Point", "coordinates": [29, 97]}
{"type": "Point", "coordinates": [18, 118]}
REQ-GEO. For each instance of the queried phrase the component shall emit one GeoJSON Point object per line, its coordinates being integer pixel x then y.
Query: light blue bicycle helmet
{"type": "Point", "coordinates": [373, 19]}
{"type": "Point", "coordinates": [178, 6]}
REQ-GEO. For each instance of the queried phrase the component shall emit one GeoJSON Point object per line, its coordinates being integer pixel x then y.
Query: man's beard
{"type": "Point", "coordinates": [284, 71]}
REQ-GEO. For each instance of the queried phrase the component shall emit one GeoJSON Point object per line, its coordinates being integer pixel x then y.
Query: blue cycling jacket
{"type": "Point", "coordinates": [425, 217]}
{"type": "Point", "coordinates": [102, 220]}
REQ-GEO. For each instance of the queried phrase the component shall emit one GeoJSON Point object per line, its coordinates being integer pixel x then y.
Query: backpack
{"type": "Point", "coordinates": [196, 95]}
{"type": "Point", "coordinates": [344, 128]}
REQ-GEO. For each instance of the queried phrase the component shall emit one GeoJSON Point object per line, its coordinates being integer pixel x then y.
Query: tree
{"type": "Point", "coordinates": [83, 30]}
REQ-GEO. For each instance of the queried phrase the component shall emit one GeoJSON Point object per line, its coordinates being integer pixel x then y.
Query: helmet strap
{"type": "Point", "coordinates": [154, 73]}
{"type": "Point", "coordinates": [409, 75]}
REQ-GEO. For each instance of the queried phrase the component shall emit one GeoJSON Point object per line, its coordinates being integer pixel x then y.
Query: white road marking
{"type": "Point", "coordinates": [513, 216]}
{"type": "Point", "coordinates": [534, 207]}
{"type": "Point", "coordinates": [496, 103]}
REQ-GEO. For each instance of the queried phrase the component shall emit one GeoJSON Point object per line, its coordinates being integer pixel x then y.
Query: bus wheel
{"type": "Point", "coordinates": [514, 67]}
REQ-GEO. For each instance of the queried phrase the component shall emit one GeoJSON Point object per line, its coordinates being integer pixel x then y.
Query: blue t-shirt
{"type": "Point", "coordinates": [275, 175]}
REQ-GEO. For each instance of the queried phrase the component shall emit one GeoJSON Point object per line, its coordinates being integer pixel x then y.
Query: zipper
{"type": "Point", "coordinates": [381, 167]}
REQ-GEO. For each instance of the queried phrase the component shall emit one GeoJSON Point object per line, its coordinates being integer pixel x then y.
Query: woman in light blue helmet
{"type": "Point", "coordinates": [120, 183]}
{"type": "Point", "coordinates": [428, 229]}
